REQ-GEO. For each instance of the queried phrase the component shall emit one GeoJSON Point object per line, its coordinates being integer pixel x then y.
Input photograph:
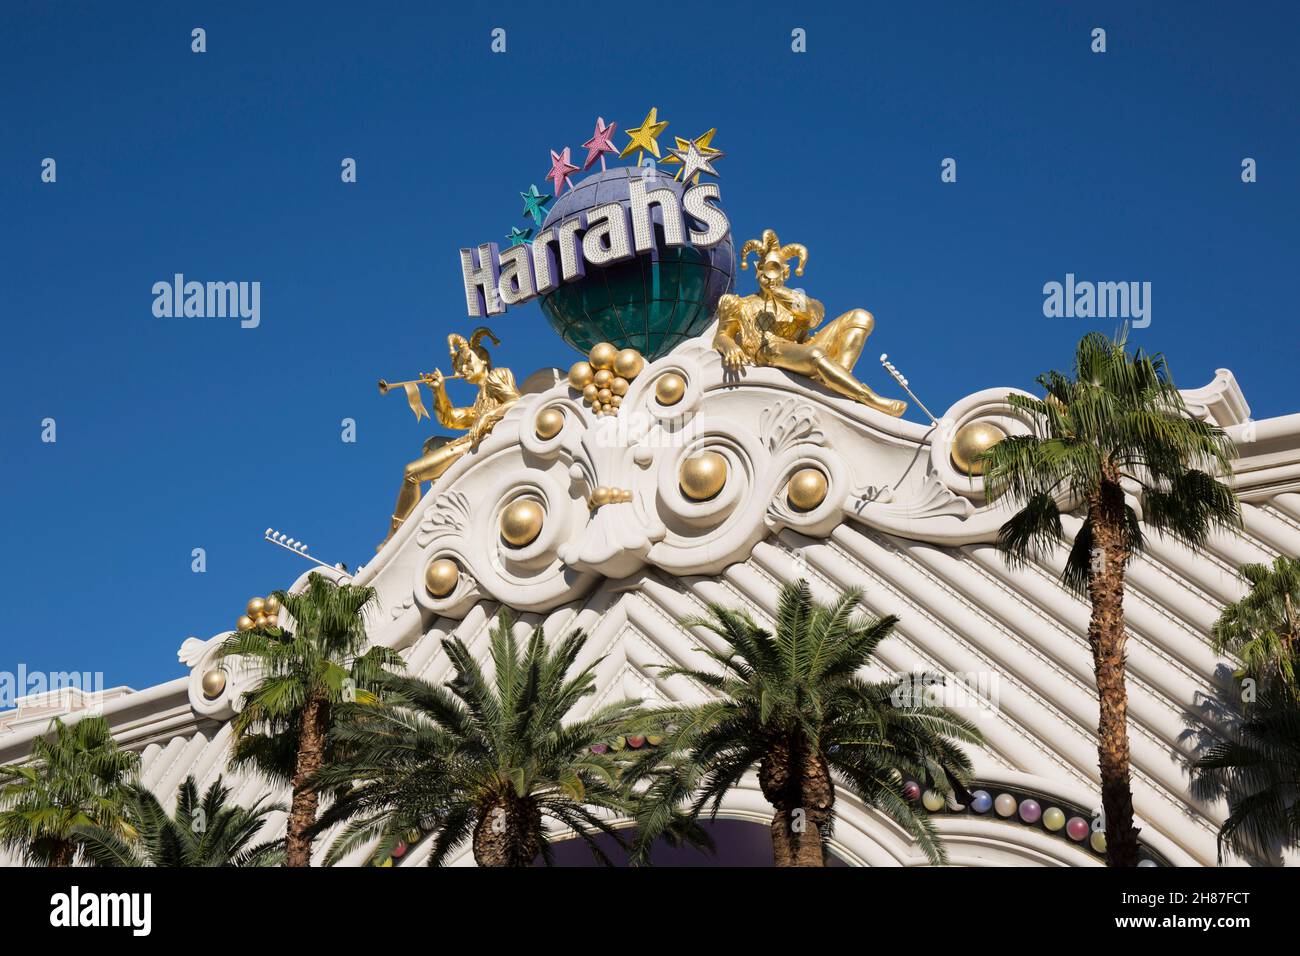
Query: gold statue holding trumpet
{"type": "Point", "coordinates": [775, 326]}
{"type": "Point", "coordinates": [496, 393]}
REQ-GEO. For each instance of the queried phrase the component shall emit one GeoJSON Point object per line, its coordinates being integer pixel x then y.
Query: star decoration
{"type": "Point", "coordinates": [694, 162]}
{"type": "Point", "coordinates": [561, 169]}
{"type": "Point", "coordinates": [645, 137]}
{"type": "Point", "coordinates": [702, 143]}
{"type": "Point", "coordinates": [600, 143]}
{"type": "Point", "coordinates": [518, 237]}
{"type": "Point", "coordinates": [535, 203]}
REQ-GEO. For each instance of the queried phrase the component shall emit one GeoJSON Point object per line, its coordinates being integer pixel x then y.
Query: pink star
{"type": "Point", "coordinates": [600, 143]}
{"type": "Point", "coordinates": [561, 168]}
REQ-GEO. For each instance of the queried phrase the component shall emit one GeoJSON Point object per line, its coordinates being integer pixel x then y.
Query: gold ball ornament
{"type": "Point", "coordinates": [245, 623]}
{"type": "Point", "coordinates": [807, 489]}
{"type": "Point", "coordinates": [604, 395]}
{"type": "Point", "coordinates": [603, 378]}
{"type": "Point", "coordinates": [670, 388]}
{"type": "Point", "coordinates": [702, 476]}
{"type": "Point", "coordinates": [214, 682]}
{"type": "Point", "coordinates": [616, 401]}
{"type": "Point", "coordinates": [255, 607]}
{"type": "Point", "coordinates": [602, 356]}
{"type": "Point", "coordinates": [265, 621]}
{"type": "Point", "coordinates": [580, 375]}
{"type": "Point", "coordinates": [970, 442]}
{"type": "Point", "coordinates": [619, 386]}
{"type": "Point", "coordinates": [521, 522]}
{"type": "Point", "coordinates": [441, 577]}
{"type": "Point", "coordinates": [589, 393]}
{"type": "Point", "coordinates": [549, 423]}
{"type": "Point", "coordinates": [272, 606]}
{"type": "Point", "coordinates": [601, 496]}
{"type": "Point", "coordinates": [629, 363]}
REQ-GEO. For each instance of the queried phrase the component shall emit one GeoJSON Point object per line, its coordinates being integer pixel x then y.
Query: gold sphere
{"type": "Point", "coordinates": [601, 496]}
{"type": "Point", "coordinates": [619, 386]}
{"type": "Point", "coordinates": [589, 393]}
{"type": "Point", "coordinates": [970, 442]}
{"type": "Point", "coordinates": [670, 388]}
{"type": "Point", "coordinates": [807, 489]}
{"type": "Point", "coordinates": [214, 682]}
{"type": "Point", "coordinates": [521, 522]}
{"type": "Point", "coordinates": [272, 606]}
{"type": "Point", "coordinates": [441, 576]}
{"type": "Point", "coordinates": [549, 423]}
{"type": "Point", "coordinates": [265, 620]}
{"type": "Point", "coordinates": [702, 476]}
{"type": "Point", "coordinates": [580, 374]}
{"type": "Point", "coordinates": [255, 607]}
{"type": "Point", "coordinates": [616, 401]}
{"type": "Point", "coordinates": [629, 363]}
{"type": "Point", "coordinates": [602, 356]}
{"type": "Point", "coordinates": [245, 623]}
{"type": "Point", "coordinates": [603, 378]}
{"type": "Point", "coordinates": [604, 395]}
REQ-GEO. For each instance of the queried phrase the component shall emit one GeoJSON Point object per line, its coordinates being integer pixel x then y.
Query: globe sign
{"type": "Point", "coordinates": [651, 302]}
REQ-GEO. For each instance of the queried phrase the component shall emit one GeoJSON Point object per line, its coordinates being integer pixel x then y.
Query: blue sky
{"type": "Point", "coordinates": [176, 434]}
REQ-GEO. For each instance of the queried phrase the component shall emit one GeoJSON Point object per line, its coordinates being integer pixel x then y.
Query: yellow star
{"type": "Point", "coordinates": [645, 137]}
{"type": "Point", "coordinates": [701, 143]}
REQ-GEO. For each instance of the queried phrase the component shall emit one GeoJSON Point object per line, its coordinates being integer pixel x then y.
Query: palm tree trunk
{"type": "Point", "coordinates": [506, 833]}
{"type": "Point", "coordinates": [1107, 638]}
{"type": "Point", "coordinates": [803, 800]}
{"type": "Point", "coordinates": [302, 810]}
{"type": "Point", "coordinates": [64, 851]}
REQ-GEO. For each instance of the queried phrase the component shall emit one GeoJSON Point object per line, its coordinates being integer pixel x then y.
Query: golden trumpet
{"type": "Point", "coordinates": [422, 380]}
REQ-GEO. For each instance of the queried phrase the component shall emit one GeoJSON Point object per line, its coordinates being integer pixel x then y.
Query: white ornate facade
{"type": "Point", "coordinates": [899, 521]}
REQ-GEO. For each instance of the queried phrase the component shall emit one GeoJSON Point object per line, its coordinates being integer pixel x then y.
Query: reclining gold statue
{"type": "Point", "coordinates": [773, 327]}
{"type": "Point", "coordinates": [496, 393]}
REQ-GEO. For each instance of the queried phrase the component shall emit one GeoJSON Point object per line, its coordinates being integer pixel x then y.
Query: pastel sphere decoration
{"type": "Point", "coordinates": [980, 801]}
{"type": "Point", "coordinates": [1148, 862]}
{"type": "Point", "coordinates": [932, 801]}
{"type": "Point", "coordinates": [1077, 829]}
{"type": "Point", "coordinates": [600, 748]}
{"type": "Point", "coordinates": [911, 790]}
{"type": "Point", "coordinates": [1005, 804]}
{"type": "Point", "coordinates": [1030, 811]}
{"type": "Point", "coordinates": [1098, 840]}
{"type": "Point", "coordinates": [1054, 818]}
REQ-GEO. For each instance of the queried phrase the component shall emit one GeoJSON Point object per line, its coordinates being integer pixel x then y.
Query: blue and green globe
{"type": "Point", "coordinates": [651, 302]}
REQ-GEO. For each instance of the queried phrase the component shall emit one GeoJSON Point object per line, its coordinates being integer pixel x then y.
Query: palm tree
{"type": "Point", "coordinates": [202, 832]}
{"type": "Point", "coordinates": [1263, 627]}
{"type": "Point", "coordinates": [76, 776]}
{"type": "Point", "coordinates": [1118, 426]}
{"type": "Point", "coordinates": [1256, 767]}
{"type": "Point", "coordinates": [306, 671]}
{"type": "Point", "coordinates": [794, 706]}
{"type": "Point", "coordinates": [489, 761]}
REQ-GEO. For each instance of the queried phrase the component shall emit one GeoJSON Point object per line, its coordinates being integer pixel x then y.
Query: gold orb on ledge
{"type": "Point", "coordinates": [256, 607]}
{"type": "Point", "coordinates": [441, 577]}
{"type": "Point", "coordinates": [628, 363]}
{"type": "Point", "coordinates": [245, 623]}
{"type": "Point", "coordinates": [670, 388]}
{"type": "Point", "coordinates": [807, 489]}
{"type": "Point", "coordinates": [272, 605]}
{"type": "Point", "coordinates": [602, 356]}
{"type": "Point", "coordinates": [214, 682]}
{"type": "Point", "coordinates": [702, 476]}
{"type": "Point", "coordinates": [549, 423]}
{"type": "Point", "coordinates": [972, 441]}
{"type": "Point", "coordinates": [521, 522]}
{"type": "Point", "coordinates": [580, 375]}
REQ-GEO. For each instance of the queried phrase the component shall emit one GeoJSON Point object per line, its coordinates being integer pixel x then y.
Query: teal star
{"type": "Point", "coordinates": [535, 204]}
{"type": "Point", "coordinates": [518, 238]}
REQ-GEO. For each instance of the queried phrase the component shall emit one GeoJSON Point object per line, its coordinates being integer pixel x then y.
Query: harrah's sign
{"type": "Point", "coordinates": [601, 236]}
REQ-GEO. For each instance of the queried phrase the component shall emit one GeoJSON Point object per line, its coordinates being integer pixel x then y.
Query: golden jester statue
{"type": "Point", "coordinates": [774, 327]}
{"type": "Point", "coordinates": [496, 393]}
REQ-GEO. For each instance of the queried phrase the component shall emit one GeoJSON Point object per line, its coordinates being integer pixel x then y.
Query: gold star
{"type": "Point", "coordinates": [701, 144]}
{"type": "Point", "coordinates": [645, 137]}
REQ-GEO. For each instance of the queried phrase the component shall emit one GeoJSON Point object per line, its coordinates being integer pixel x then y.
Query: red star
{"type": "Point", "coordinates": [600, 143]}
{"type": "Point", "coordinates": [561, 168]}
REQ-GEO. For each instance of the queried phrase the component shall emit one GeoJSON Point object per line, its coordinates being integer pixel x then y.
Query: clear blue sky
{"type": "Point", "coordinates": [182, 433]}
